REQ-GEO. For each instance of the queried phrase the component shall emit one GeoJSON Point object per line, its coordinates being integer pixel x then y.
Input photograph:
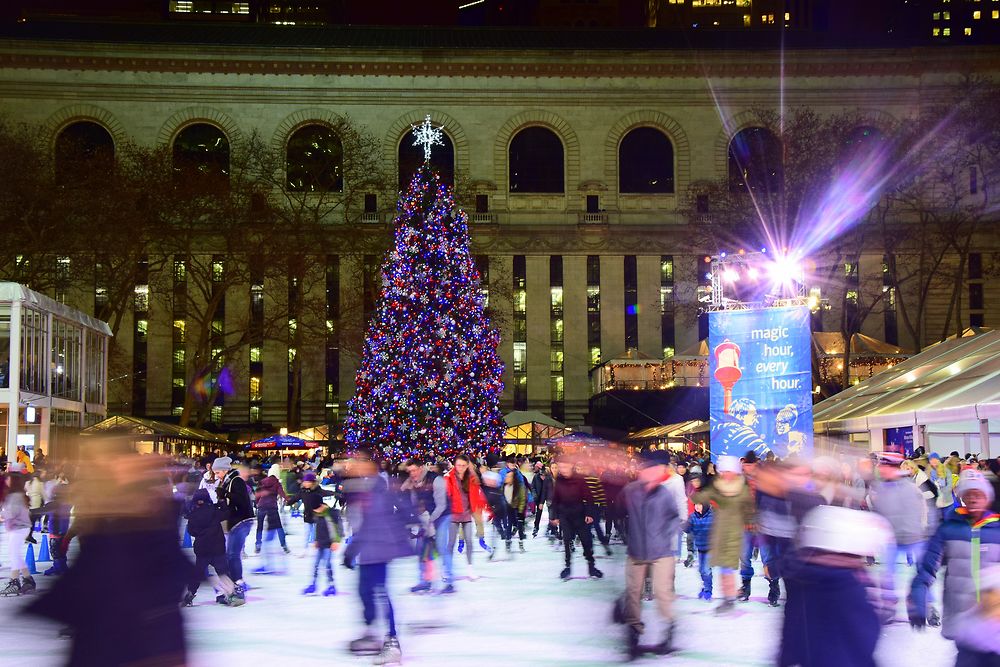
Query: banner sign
{"type": "Point", "coordinates": [760, 382]}
{"type": "Point", "coordinates": [899, 440]}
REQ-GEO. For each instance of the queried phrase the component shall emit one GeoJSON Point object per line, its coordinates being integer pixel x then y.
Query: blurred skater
{"type": "Point", "coordinates": [654, 525]}
{"type": "Point", "coordinates": [205, 526]}
{"type": "Point", "coordinates": [380, 538]}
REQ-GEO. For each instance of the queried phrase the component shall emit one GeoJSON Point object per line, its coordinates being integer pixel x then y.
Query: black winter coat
{"type": "Point", "coordinates": [235, 495]}
{"type": "Point", "coordinates": [205, 526]}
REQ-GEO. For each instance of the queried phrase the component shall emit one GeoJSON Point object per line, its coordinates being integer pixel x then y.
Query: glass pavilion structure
{"type": "Point", "coordinates": [53, 369]}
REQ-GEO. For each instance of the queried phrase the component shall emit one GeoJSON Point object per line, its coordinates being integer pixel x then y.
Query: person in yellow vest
{"type": "Point", "coordinates": [25, 460]}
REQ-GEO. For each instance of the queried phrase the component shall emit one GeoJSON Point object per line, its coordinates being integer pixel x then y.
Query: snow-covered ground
{"type": "Point", "coordinates": [518, 612]}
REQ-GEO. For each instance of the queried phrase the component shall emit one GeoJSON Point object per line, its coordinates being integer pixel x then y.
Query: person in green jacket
{"type": "Point", "coordinates": [733, 507]}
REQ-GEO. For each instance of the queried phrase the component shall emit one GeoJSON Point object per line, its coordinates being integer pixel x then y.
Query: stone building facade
{"type": "Point", "coordinates": [615, 269]}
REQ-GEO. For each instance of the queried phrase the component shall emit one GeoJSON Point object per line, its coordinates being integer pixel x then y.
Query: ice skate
{"type": "Point", "coordinates": [422, 587]}
{"type": "Point", "coordinates": [666, 646]}
{"type": "Point", "coordinates": [633, 651]}
{"type": "Point", "coordinates": [594, 572]}
{"type": "Point", "coordinates": [448, 589]}
{"type": "Point", "coordinates": [773, 593]}
{"type": "Point", "coordinates": [28, 584]}
{"type": "Point", "coordinates": [188, 600]}
{"type": "Point", "coordinates": [744, 593]}
{"type": "Point", "coordinates": [484, 546]}
{"type": "Point", "coordinates": [608, 551]}
{"type": "Point", "coordinates": [461, 546]}
{"type": "Point", "coordinates": [520, 545]}
{"type": "Point", "coordinates": [391, 653]}
{"type": "Point", "coordinates": [689, 561]}
{"type": "Point", "coordinates": [933, 618]}
{"type": "Point", "coordinates": [330, 590]}
{"type": "Point", "coordinates": [365, 645]}
{"type": "Point", "coordinates": [309, 590]}
{"type": "Point", "coordinates": [13, 589]}
{"type": "Point", "coordinates": [235, 600]}
{"type": "Point", "coordinates": [564, 575]}
{"type": "Point", "coordinates": [726, 607]}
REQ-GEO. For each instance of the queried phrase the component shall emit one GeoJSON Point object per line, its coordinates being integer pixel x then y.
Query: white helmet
{"type": "Point", "coordinates": [843, 530]}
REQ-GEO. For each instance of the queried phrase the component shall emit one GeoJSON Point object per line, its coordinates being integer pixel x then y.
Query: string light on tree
{"type": "Point", "coordinates": [430, 378]}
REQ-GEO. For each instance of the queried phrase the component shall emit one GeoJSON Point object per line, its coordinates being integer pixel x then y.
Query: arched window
{"type": "Point", "coordinates": [411, 157]}
{"type": "Point", "coordinates": [535, 159]}
{"type": "Point", "coordinates": [755, 161]}
{"type": "Point", "coordinates": [83, 149]}
{"type": "Point", "coordinates": [314, 160]}
{"type": "Point", "coordinates": [646, 162]}
{"type": "Point", "coordinates": [201, 156]}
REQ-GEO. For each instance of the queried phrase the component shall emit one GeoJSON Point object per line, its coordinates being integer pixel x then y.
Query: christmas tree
{"type": "Point", "coordinates": [430, 377]}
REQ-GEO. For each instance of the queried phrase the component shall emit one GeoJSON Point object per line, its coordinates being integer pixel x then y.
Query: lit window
{"type": "Point", "coordinates": [668, 352]}
{"type": "Point", "coordinates": [255, 393]}
{"type": "Point", "coordinates": [937, 32]}
{"type": "Point", "coordinates": [255, 354]}
{"type": "Point", "coordinates": [557, 298]}
{"type": "Point", "coordinates": [996, 14]}
{"type": "Point", "coordinates": [142, 298]}
{"type": "Point", "coordinates": [968, 31]}
{"type": "Point", "coordinates": [746, 20]}
{"type": "Point", "coordinates": [937, 16]}
{"type": "Point", "coordinates": [977, 15]}
{"type": "Point", "coordinates": [946, 32]}
{"type": "Point", "coordinates": [788, 16]}
{"type": "Point", "coordinates": [947, 16]}
{"type": "Point", "coordinates": [520, 357]}
{"type": "Point", "coordinates": [595, 356]}
{"type": "Point", "coordinates": [217, 414]}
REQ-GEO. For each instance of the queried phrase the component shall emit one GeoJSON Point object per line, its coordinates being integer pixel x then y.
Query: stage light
{"type": "Point", "coordinates": [785, 271]}
{"type": "Point", "coordinates": [730, 275]}
{"type": "Point", "coordinates": [722, 255]}
{"type": "Point", "coordinates": [753, 273]}
{"type": "Point", "coordinates": [708, 276]}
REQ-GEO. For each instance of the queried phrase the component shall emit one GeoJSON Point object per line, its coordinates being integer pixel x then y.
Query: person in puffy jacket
{"type": "Point", "coordinates": [205, 526]}
{"type": "Point", "coordinates": [897, 498]}
{"type": "Point", "coordinates": [966, 543]}
{"type": "Point", "coordinates": [381, 537]}
{"type": "Point", "coordinates": [654, 524]}
{"type": "Point", "coordinates": [17, 522]}
{"type": "Point", "coordinates": [700, 531]}
{"type": "Point", "coordinates": [268, 492]}
{"type": "Point", "coordinates": [733, 508]}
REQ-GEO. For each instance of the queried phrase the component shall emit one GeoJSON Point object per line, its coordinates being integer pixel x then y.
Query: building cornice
{"type": "Point", "coordinates": [660, 65]}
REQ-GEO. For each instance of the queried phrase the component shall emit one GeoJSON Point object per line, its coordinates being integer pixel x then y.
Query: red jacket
{"type": "Point", "coordinates": [477, 501]}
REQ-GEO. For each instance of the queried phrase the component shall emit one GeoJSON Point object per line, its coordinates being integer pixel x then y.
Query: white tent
{"type": "Point", "coordinates": [949, 394]}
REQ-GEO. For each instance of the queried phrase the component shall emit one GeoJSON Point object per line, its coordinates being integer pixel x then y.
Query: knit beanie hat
{"type": "Point", "coordinates": [728, 463]}
{"type": "Point", "coordinates": [973, 480]}
{"type": "Point", "coordinates": [223, 463]}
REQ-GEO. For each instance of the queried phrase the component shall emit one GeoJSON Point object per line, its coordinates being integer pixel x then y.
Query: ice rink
{"type": "Point", "coordinates": [517, 613]}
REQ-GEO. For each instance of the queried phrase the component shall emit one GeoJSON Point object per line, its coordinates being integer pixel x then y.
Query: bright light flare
{"type": "Point", "coordinates": [730, 275]}
{"type": "Point", "coordinates": [785, 271]}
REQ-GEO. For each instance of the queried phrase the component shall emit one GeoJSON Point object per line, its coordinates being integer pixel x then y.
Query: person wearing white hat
{"type": "Point", "coordinates": [967, 543]}
{"type": "Point", "coordinates": [733, 510]}
{"type": "Point", "coordinates": [829, 615]}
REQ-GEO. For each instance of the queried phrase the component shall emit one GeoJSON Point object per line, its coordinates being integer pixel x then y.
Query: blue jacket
{"type": "Point", "coordinates": [829, 621]}
{"type": "Point", "coordinates": [700, 527]}
{"type": "Point", "coordinates": [965, 550]}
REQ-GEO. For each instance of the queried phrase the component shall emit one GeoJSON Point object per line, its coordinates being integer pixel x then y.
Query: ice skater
{"type": "Point", "coordinates": [205, 526]}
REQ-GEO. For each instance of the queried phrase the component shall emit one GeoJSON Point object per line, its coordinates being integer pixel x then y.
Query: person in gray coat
{"type": "Point", "coordinates": [653, 527]}
{"type": "Point", "coordinates": [898, 499]}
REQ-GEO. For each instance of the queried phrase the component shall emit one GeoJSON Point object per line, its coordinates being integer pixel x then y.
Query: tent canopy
{"type": "Point", "coordinates": [677, 430]}
{"type": "Point", "coordinates": [831, 343]}
{"type": "Point", "coordinates": [148, 429]}
{"type": "Point", "coordinates": [530, 428]}
{"type": "Point", "coordinates": [279, 441]}
{"type": "Point", "coordinates": [956, 382]}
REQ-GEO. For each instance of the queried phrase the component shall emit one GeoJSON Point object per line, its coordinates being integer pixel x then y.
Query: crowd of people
{"type": "Point", "coordinates": [830, 535]}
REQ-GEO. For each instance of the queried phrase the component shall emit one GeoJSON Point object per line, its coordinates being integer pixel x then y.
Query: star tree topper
{"type": "Point", "coordinates": [427, 135]}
